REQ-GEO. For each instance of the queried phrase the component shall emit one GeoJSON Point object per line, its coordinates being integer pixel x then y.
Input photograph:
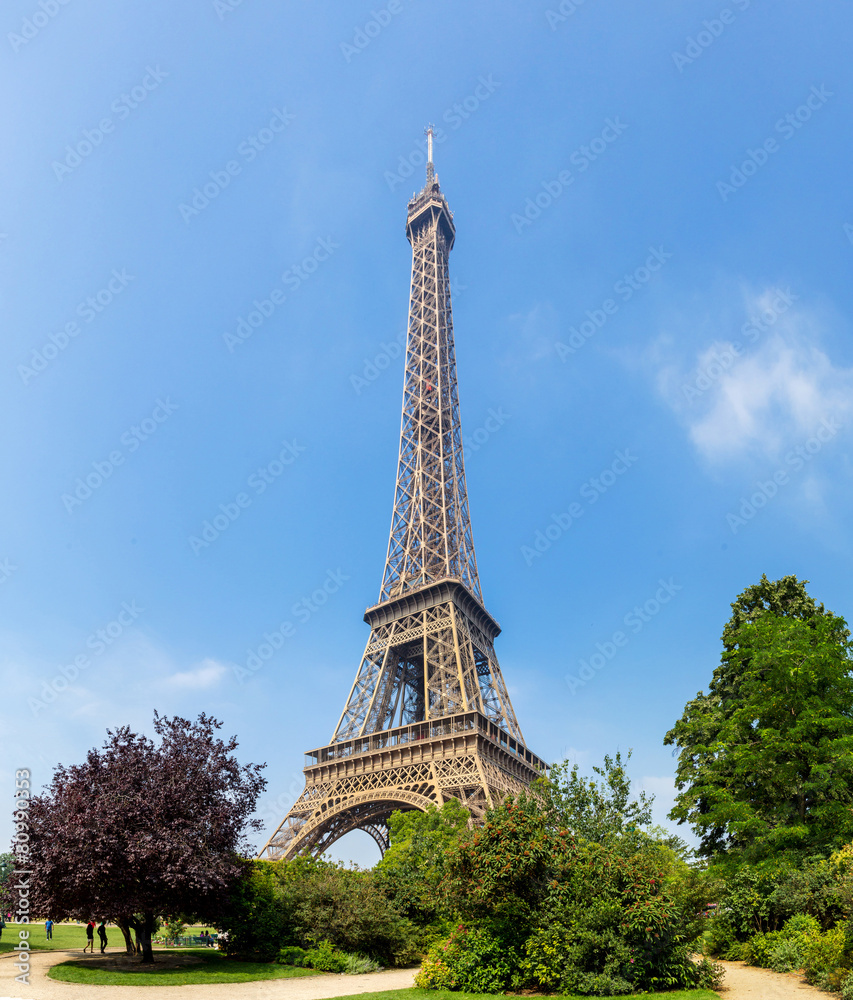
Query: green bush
{"type": "Point", "coordinates": [786, 955]}
{"type": "Point", "coordinates": [825, 958]}
{"type": "Point", "coordinates": [473, 960]}
{"type": "Point", "coordinates": [721, 940]}
{"type": "Point", "coordinates": [326, 958]}
{"type": "Point", "coordinates": [291, 955]}
{"type": "Point", "coordinates": [260, 917]}
{"type": "Point", "coordinates": [847, 988]}
{"type": "Point", "coordinates": [347, 908]}
{"type": "Point", "coordinates": [757, 950]}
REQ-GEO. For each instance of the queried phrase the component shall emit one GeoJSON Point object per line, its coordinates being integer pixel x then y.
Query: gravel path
{"type": "Point", "coordinates": [307, 988]}
{"type": "Point", "coordinates": [745, 982]}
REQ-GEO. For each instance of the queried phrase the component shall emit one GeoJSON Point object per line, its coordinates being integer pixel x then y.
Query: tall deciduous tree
{"type": "Point", "coordinates": [143, 829]}
{"type": "Point", "coordinates": [766, 758]}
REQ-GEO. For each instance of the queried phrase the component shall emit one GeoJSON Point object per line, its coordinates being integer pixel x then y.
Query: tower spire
{"type": "Point", "coordinates": [430, 169]}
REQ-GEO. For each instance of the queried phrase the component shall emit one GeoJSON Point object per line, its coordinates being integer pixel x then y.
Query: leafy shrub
{"type": "Point", "coordinates": [824, 957]}
{"type": "Point", "coordinates": [597, 984]}
{"type": "Point", "coordinates": [291, 955]}
{"type": "Point", "coordinates": [721, 940]}
{"type": "Point", "coordinates": [709, 975]}
{"type": "Point", "coordinates": [786, 955]}
{"type": "Point", "coordinates": [801, 925]}
{"type": "Point", "coordinates": [260, 919]}
{"type": "Point", "coordinates": [847, 988]}
{"type": "Point", "coordinates": [757, 950]}
{"type": "Point", "coordinates": [473, 960]}
{"type": "Point", "coordinates": [357, 965]}
{"type": "Point", "coordinates": [174, 928]}
{"type": "Point", "coordinates": [326, 958]}
{"type": "Point", "coordinates": [347, 908]}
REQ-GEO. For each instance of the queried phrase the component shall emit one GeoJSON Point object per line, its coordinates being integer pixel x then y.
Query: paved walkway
{"type": "Point", "coordinates": [307, 988]}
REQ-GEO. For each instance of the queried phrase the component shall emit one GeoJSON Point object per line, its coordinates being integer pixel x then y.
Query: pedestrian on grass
{"type": "Point", "coordinates": [2, 925]}
{"type": "Point", "coordinates": [90, 937]}
{"type": "Point", "coordinates": [102, 934]}
{"type": "Point", "coordinates": [48, 929]}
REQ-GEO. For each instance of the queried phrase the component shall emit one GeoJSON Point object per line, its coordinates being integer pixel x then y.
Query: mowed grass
{"type": "Point", "coordinates": [214, 968]}
{"type": "Point", "coordinates": [70, 937]}
{"type": "Point", "coordinates": [66, 937]}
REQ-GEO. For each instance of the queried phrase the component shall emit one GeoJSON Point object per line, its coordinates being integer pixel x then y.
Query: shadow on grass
{"type": "Point", "coordinates": [171, 968]}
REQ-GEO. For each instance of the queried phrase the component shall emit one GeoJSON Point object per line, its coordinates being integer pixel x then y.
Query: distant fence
{"type": "Point", "coordinates": [189, 941]}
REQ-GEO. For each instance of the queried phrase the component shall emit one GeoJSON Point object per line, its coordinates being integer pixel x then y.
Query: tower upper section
{"type": "Point", "coordinates": [431, 536]}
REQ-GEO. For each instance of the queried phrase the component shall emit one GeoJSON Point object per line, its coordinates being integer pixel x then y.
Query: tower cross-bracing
{"type": "Point", "coordinates": [428, 716]}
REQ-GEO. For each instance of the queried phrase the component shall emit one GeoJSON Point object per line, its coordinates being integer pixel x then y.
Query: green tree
{"type": "Point", "coordinates": [414, 864]}
{"type": "Point", "coordinates": [595, 810]}
{"type": "Point", "coordinates": [766, 756]}
{"type": "Point", "coordinates": [259, 919]}
{"type": "Point", "coordinates": [7, 866]}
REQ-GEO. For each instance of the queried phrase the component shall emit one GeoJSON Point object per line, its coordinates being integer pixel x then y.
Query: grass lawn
{"type": "Point", "coordinates": [70, 937]}
{"type": "Point", "coordinates": [414, 994]}
{"type": "Point", "coordinates": [201, 965]}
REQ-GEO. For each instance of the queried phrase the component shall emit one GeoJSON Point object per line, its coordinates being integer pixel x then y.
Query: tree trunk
{"type": "Point", "coordinates": [146, 930]}
{"type": "Point", "coordinates": [123, 925]}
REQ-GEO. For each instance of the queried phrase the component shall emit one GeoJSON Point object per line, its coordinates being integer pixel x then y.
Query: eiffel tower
{"type": "Point", "coordinates": [428, 716]}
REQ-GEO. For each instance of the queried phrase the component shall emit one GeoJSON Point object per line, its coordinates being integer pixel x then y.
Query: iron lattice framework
{"type": "Point", "coordinates": [428, 716]}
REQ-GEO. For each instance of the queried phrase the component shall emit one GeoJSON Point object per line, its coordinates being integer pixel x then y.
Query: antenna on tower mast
{"type": "Point", "coordinates": [428, 131]}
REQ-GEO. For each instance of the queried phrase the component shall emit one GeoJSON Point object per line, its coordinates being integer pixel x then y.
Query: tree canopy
{"type": "Point", "coordinates": [766, 757]}
{"type": "Point", "coordinates": [596, 810]}
{"type": "Point", "coordinates": [143, 829]}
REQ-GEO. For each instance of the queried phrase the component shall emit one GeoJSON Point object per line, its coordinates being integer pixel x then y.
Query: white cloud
{"type": "Point", "coordinates": [207, 674]}
{"type": "Point", "coordinates": [761, 393]}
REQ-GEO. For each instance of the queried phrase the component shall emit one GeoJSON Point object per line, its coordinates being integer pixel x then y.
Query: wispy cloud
{"type": "Point", "coordinates": [206, 675]}
{"type": "Point", "coordinates": [753, 395]}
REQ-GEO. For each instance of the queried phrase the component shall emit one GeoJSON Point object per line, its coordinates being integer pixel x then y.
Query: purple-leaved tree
{"type": "Point", "coordinates": [144, 829]}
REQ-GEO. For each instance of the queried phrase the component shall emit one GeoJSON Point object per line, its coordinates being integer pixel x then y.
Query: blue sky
{"type": "Point", "coordinates": [204, 280]}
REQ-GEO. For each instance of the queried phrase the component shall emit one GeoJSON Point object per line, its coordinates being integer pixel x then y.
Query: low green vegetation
{"type": "Point", "coordinates": [208, 967]}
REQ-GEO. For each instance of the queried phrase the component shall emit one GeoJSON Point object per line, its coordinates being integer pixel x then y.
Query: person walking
{"type": "Point", "coordinates": [48, 928]}
{"type": "Point", "coordinates": [2, 925]}
{"type": "Point", "coordinates": [90, 937]}
{"type": "Point", "coordinates": [102, 934]}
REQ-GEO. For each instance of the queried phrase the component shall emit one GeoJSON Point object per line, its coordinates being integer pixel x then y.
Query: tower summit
{"type": "Point", "coordinates": [428, 716]}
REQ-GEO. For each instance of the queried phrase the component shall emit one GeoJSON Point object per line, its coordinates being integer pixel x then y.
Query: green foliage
{"type": "Point", "coordinates": [174, 927]}
{"type": "Point", "coordinates": [260, 918]}
{"type": "Point", "coordinates": [585, 915]}
{"type": "Point", "coordinates": [348, 908]}
{"type": "Point", "coordinates": [825, 956]}
{"type": "Point", "coordinates": [326, 958]}
{"type": "Point", "coordinates": [413, 866]}
{"type": "Point", "coordinates": [787, 955]}
{"type": "Point", "coordinates": [472, 959]}
{"type": "Point", "coordinates": [722, 941]}
{"type": "Point", "coordinates": [7, 866]}
{"type": "Point", "coordinates": [847, 987]}
{"type": "Point", "coordinates": [766, 762]}
{"type": "Point", "coordinates": [595, 810]}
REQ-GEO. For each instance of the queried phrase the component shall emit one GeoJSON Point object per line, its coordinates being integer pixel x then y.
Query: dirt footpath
{"type": "Point", "coordinates": [307, 988]}
{"type": "Point", "coordinates": [745, 982]}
